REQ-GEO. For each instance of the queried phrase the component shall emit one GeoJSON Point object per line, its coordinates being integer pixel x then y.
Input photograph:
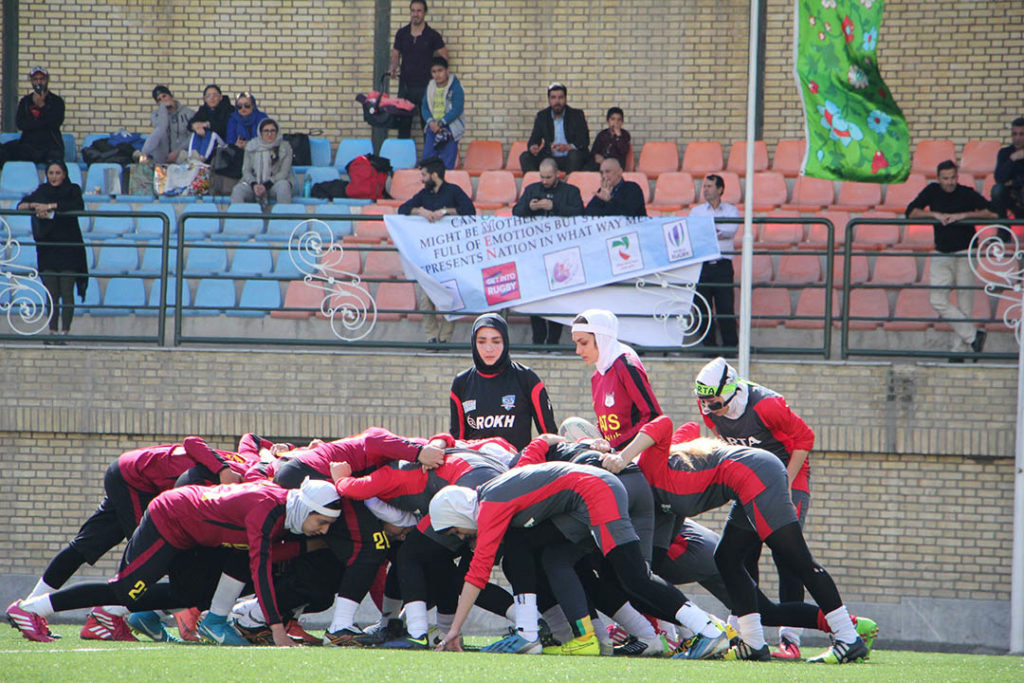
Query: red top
{"type": "Point", "coordinates": [623, 400]}
{"type": "Point", "coordinates": [156, 468]}
{"type": "Point", "coordinates": [364, 452]}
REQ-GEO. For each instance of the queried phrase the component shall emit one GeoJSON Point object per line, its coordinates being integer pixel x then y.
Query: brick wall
{"type": "Point", "coordinates": [679, 70]}
{"type": "Point", "coordinates": [911, 498]}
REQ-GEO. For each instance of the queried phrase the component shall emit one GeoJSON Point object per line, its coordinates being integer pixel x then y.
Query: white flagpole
{"type": "Point", "coordinates": [747, 257]}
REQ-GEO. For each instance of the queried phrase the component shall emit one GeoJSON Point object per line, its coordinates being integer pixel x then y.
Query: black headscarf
{"type": "Point", "coordinates": [70, 255]}
{"type": "Point", "coordinates": [497, 322]}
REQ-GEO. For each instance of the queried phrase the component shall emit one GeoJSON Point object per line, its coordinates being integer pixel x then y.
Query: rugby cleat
{"type": "Point", "coordinates": [187, 619]}
{"type": "Point", "coordinates": [31, 625]}
{"type": "Point", "coordinates": [515, 644]}
{"type": "Point", "coordinates": [257, 635]}
{"type": "Point", "coordinates": [150, 625]}
{"type": "Point", "coordinates": [343, 637]}
{"type": "Point", "coordinates": [378, 634]}
{"type": "Point", "coordinates": [642, 647]}
{"type": "Point", "coordinates": [582, 646]}
{"type": "Point", "coordinates": [618, 635]}
{"type": "Point", "coordinates": [787, 650]}
{"type": "Point", "coordinates": [842, 653]}
{"type": "Point", "coordinates": [102, 625]}
{"type": "Point", "coordinates": [215, 628]}
{"type": "Point", "coordinates": [741, 652]}
{"type": "Point", "coordinates": [867, 630]}
{"type": "Point", "coordinates": [299, 634]}
{"type": "Point", "coordinates": [550, 645]}
{"type": "Point", "coordinates": [703, 647]}
{"type": "Point", "coordinates": [408, 643]}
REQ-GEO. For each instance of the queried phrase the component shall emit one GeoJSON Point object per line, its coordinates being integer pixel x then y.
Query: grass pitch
{"type": "Point", "coordinates": [72, 659]}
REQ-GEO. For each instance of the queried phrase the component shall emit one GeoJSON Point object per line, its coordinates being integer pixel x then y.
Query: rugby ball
{"type": "Point", "coordinates": [576, 428]}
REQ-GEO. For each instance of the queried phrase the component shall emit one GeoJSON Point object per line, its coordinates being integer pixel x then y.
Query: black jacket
{"type": "Point", "coordinates": [565, 198]}
{"type": "Point", "coordinates": [576, 131]}
{"type": "Point", "coordinates": [218, 117]}
{"type": "Point", "coordinates": [627, 200]}
{"type": "Point", "coordinates": [42, 132]}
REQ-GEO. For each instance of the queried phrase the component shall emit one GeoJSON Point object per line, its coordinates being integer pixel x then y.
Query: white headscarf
{"type": "Point", "coordinates": [312, 496]}
{"type": "Point", "coordinates": [453, 506]}
{"type": "Point", "coordinates": [605, 328]}
{"type": "Point", "coordinates": [711, 375]}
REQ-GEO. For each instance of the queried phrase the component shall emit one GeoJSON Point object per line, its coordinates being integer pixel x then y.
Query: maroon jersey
{"type": "Point", "coordinates": [767, 423]}
{"type": "Point", "coordinates": [237, 516]}
{"type": "Point", "coordinates": [623, 400]}
{"type": "Point", "coordinates": [365, 452]}
{"type": "Point", "coordinates": [525, 496]}
{"type": "Point", "coordinates": [156, 468]}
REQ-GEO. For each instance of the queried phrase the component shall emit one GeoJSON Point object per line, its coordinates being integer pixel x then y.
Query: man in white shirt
{"type": "Point", "coordinates": [716, 277]}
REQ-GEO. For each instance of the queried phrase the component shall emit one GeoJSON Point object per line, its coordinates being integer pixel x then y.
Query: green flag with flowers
{"type": "Point", "coordinates": [855, 130]}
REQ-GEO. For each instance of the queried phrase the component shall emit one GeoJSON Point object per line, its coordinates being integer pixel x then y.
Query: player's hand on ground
{"type": "Point", "coordinates": [340, 470]}
{"type": "Point", "coordinates": [281, 638]}
{"type": "Point", "coordinates": [451, 643]}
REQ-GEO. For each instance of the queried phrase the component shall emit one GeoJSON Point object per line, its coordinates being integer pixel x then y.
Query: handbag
{"type": "Point", "coordinates": [182, 180]}
{"type": "Point", "coordinates": [140, 180]}
{"type": "Point", "coordinates": [227, 161]}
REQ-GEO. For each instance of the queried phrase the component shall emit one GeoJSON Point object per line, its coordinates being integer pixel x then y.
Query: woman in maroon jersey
{"type": "Point", "coordinates": [623, 398]}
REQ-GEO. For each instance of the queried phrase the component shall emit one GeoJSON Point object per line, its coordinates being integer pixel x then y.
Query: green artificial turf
{"type": "Point", "coordinates": [72, 659]}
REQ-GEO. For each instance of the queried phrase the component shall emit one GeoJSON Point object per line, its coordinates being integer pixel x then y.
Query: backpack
{"type": "Point", "coordinates": [301, 154]}
{"type": "Point", "coordinates": [102, 151]}
{"type": "Point", "coordinates": [367, 180]}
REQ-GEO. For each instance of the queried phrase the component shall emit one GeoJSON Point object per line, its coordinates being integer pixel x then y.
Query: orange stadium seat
{"type": "Point", "coordinates": [872, 304]}
{"type": "Point", "coordinates": [630, 159]}
{"type": "Point", "coordinates": [483, 155]}
{"type": "Point", "coordinates": [658, 157]}
{"type": "Point", "coordinates": [588, 183]}
{"type": "Point", "coordinates": [738, 157]}
{"type": "Point", "coordinates": [461, 178]}
{"type": "Point", "coordinates": [898, 195]}
{"type": "Point", "coordinates": [911, 303]}
{"type": "Point", "coordinates": [817, 235]}
{"type": "Point", "coordinates": [858, 197]}
{"type": "Point", "coordinates": [917, 237]}
{"type": "Point", "coordinates": [894, 270]}
{"type": "Point", "coordinates": [875, 236]}
{"type": "Point", "coordinates": [769, 307]}
{"type": "Point", "coordinates": [789, 157]}
{"type": "Point", "coordinates": [762, 267]}
{"type": "Point", "coordinates": [300, 295]}
{"type": "Point", "coordinates": [733, 192]}
{"type": "Point", "coordinates": [810, 310]}
{"type": "Point", "coordinates": [339, 264]}
{"type": "Point", "coordinates": [930, 153]}
{"type": "Point", "coordinates": [979, 156]}
{"type": "Point", "coordinates": [404, 184]}
{"type": "Point", "coordinates": [514, 152]}
{"type": "Point", "coordinates": [673, 192]}
{"type": "Point", "coordinates": [395, 295]}
{"type": "Point", "coordinates": [640, 178]}
{"type": "Point", "coordinates": [780, 235]}
{"type": "Point", "coordinates": [495, 189]}
{"type": "Point", "coordinates": [799, 269]}
{"type": "Point", "coordinates": [811, 194]}
{"type": "Point", "coordinates": [997, 324]}
{"type": "Point", "coordinates": [383, 264]}
{"type": "Point", "coordinates": [529, 178]}
{"type": "Point", "coordinates": [703, 157]}
{"type": "Point", "coordinates": [858, 270]}
{"type": "Point", "coordinates": [770, 190]}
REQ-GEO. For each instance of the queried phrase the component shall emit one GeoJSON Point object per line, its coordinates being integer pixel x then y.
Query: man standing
{"type": "Point", "coordinates": [39, 118]}
{"type": "Point", "coordinates": [436, 200]}
{"type": "Point", "coordinates": [416, 44]}
{"type": "Point", "coordinates": [549, 197]}
{"type": "Point", "coordinates": [1008, 192]}
{"type": "Point", "coordinates": [948, 203]}
{"type": "Point", "coordinates": [716, 277]}
{"type": "Point", "coordinates": [169, 139]}
{"type": "Point", "coordinates": [617, 197]}
{"type": "Point", "coordinates": [559, 131]}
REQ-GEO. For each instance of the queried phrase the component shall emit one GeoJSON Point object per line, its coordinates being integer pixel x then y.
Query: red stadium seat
{"type": "Point", "coordinates": [811, 194]}
{"type": "Point", "coordinates": [383, 264]}
{"type": "Point", "coordinates": [870, 304]}
{"type": "Point", "coordinates": [911, 303]}
{"type": "Point", "coordinates": [780, 235]}
{"type": "Point", "coordinates": [917, 237]}
{"type": "Point", "coordinates": [858, 270]}
{"type": "Point", "coordinates": [986, 185]}
{"type": "Point", "coordinates": [514, 152]}
{"type": "Point", "coordinates": [817, 235]}
{"type": "Point", "coordinates": [703, 157]}
{"type": "Point", "coordinates": [789, 157]}
{"type": "Point", "coordinates": [483, 155]}
{"type": "Point", "coordinates": [770, 191]}
{"type": "Point", "coordinates": [673, 191]}
{"type": "Point", "coordinates": [640, 179]}
{"type": "Point", "coordinates": [404, 184]}
{"type": "Point", "coordinates": [733, 192]}
{"type": "Point", "coordinates": [762, 268]}
{"type": "Point", "coordinates": [894, 270]}
{"type": "Point", "coordinates": [875, 236]}
{"type": "Point", "coordinates": [769, 307]}
{"type": "Point", "coordinates": [899, 195]}
{"type": "Point", "coordinates": [368, 232]}
{"type": "Point", "coordinates": [658, 157]}
{"type": "Point", "coordinates": [588, 182]}
{"type": "Point", "coordinates": [979, 157]}
{"type": "Point", "coordinates": [799, 269]}
{"type": "Point", "coordinates": [495, 189]}
{"type": "Point", "coordinates": [858, 197]}
{"type": "Point", "coordinates": [462, 179]}
{"type": "Point", "coordinates": [340, 264]}
{"type": "Point", "coordinates": [300, 295]}
{"type": "Point", "coordinates": [529, 178]}
{"type": "Point", "coordinates": [810, 310]}
{"type": "Point", "coordinates": [395, 295]}
{"type": "Point", "coordinates": [738, 157]}
{"type": "Point", "coordinates": [929, 154]}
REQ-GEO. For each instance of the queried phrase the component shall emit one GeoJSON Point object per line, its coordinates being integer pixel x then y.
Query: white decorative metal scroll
{"type": "Point", "coordinates": [23, 298]}
{"type": "Point", "coordinates": [999, 265]}
{"type": "Point", "coordinates": [346, 301]}
{"type": "Point", "coordinates": [690, 324]}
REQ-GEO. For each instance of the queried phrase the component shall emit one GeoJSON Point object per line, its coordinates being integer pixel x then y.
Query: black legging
{"type": "Point", "coordinates": [788, 545]}
{"type": "Point", "coordinates": [61, 287]}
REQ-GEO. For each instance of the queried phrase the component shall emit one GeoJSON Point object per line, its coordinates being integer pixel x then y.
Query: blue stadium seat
{"type": "Point", "coordinates": [70, 150]}
{"type": "Point", "coordinates": [25, 257]}
{"type": "Point", "coordinates": [320, 151]}
{"type": "Point", "coordinates": [213, 297]}
{"type": "Point", "coordinates": [284, 267]}
{"type": "Point", "coordinates": [280, 230]}
{"type": "Point", "coordinates": [8, 137]}
{"type": "Point", "coordinates": [93, 137]}
{"type": "Point", "coordinates": [75, 175]}
{"type": "Point", "coordinates": [349, 149]}
{"type": "Point", "coordinates": [241, 229]}
{"type": "Point", "coordinates": [250, 260]}
{"type": "Point", "coordinates": [106, 227]}
{"type": "Point", "coordinates": [172, 296]}
{"type": "Point", "coordinates": [92, 298]}
{"type": "Point", "coordinates": [123, 295]}
{"type": "Point", "coordinates": [206, 261]}
{"type": "Point", "coordinates": [401, 152]}
{"type": "Point", "coordinates": [261, 294]}
{"type": "Point", "coordinates": [17, 179]}
{"type": "Point", "coordinates": [151, 257]}
{"type": "Point", "coordinates": [30, 300]}
{"type": "Point", "coordinates": [322, 174]}
{"type": "Point", "coordinates": [153, 228]}
{"type": "Point", "coordinates": [200, 228]}
{"type": "Point", "coordinates": [117, 257]}
{"type": "Point", "coordinates": [177, 199]}
{"type": "Point", "coordinates": [19, 225]}
{"type": "Point", "coordinates": [339, 228]}
{"type": "Point", "coordinates": [95, 179]}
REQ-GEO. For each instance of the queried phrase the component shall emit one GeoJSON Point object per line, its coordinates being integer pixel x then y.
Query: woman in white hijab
{"type": "Point", "coordinates": [623, 398]}
{"type": "Point", "coordinates": [267, 168]}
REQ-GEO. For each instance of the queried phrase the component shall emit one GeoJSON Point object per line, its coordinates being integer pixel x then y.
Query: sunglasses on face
{"type": "Point", "coordinates": [244, 105]}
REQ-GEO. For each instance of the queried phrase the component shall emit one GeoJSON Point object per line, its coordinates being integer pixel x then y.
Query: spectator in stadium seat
{"type": "Point", "coordinates": [209, 126]}
{"type": "Point", "coordinates": [243, 124]}
{"type": "Point", "coordinates": [614, 141]}
{"type": "Point", "coordinates": [267, 169]}
{"type": "Point", "coordinates": [442, 109]}
{"type": "Point", "coordinates": [716, 277]}
{"type": "Point", "coordinates": [39, 118]}
{"type": "Point", "coordinates": [415, 45]}
{"type": "Point", "coordinates": [168, 142]}
{"type": "Point", "coordinates": [436, 200]}
{"type": "Point", "coordinates": [948, 203]}
{"type": "Point", "coordinates": [616, 197]}
{"type": "Point", "coordinates": [1008, 192]}
{"type": "Point", "coordinates": [559, 131]}
{"type": "Point", "coordinates": [549, 197]}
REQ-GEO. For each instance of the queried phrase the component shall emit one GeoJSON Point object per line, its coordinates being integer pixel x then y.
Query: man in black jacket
{"type": "Point", "coordinates": [1008, 191]}
{"type": "Point", "coordinates": [39, 118]}
{"type": "Point", "coordinates": [559, 131]}
{"type": "Point", "coordinates": [617, 197]}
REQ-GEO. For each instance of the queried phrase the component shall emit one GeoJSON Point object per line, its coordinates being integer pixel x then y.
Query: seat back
{"type": "Point", "coordinates": [483, 155]}
{"type": "Point", "coordinates": [703, 157]}
{"type": "Point", "coordinates": [929, 154]}
{"type": "Point", "coordinates": [401, 152]}
{"type": "Point", "coordinates": [674, 188]}
{"type": "Point", "coordinates": [738, 157]}
{"type": "Point", "coordinates": [19, 177]}
{"type": "Point", "coordinates": [789, 157]}
{"type": "Point", "coordinates": [349, 149]}
{"type": "Point", "coordinates": [658, 157]}
{"type": "Point", "coordinates": [497, 187]}
{"type": "Point", "coordinates": [979, 156]}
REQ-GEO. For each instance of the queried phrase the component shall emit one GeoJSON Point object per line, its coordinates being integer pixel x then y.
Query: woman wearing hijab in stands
{"type": "Point", "coordinates": [498, 397]}
{"type": "Point", "coordinates": [622, 394]}
{"type": "Point", "coordinates": [60, 253]}
{"type": "Point", "coordinates": [243, 124]}
{"type": "Point", "coordinates": [209, 126]}
{"type": "Point", "coordinates": [267, 169]}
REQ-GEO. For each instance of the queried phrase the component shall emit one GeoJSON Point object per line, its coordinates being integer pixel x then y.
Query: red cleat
{"type": "Point", "coordinates": [31, 625]}
{"type": "Point", "coordinates": [187, 619]}
{"type": "Point", "coordinates": [107, 626]}
{"type": "Point", "coordinates": [300, 635]}
{"type": "Point", "coordinates": [787, 650]}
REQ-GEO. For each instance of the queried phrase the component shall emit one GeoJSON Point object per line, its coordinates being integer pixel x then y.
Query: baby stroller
{"type": "Point", "coordinates": [382, 111]}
